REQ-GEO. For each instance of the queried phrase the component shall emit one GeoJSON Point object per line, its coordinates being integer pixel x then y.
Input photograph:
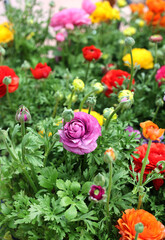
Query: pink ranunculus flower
{"type": "Point", "coordinates": [160, 75]}
{"type": "Point", "coordinates": [96, 193]}
{"type": "Point", "coordinates": [74, 16]}
{"type": "Point", "coordinates": [80, 134]}
{"type": "Point", "coordinates": [60, 37]}
{"type": "Point", "coordinates": [88, 6]}
{"type": "Point", "coordinates": [69, 26]}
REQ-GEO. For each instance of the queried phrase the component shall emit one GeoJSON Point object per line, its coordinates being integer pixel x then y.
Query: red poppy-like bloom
{"type": "Point", "coordinates": [153, 229]}
{"type": "Point", "coordinates": [96, 193]}
{"type": "Point", "coordinates": [151, 130]}
{"type": "Point", "coordinates": [112, 77]}
{"type": "Point", "coordinates": [91, 53]}
{"type": "Point", "coordinates": [5, 71]}
{"type": "Point", "coordinates": [157, 154]}
{"type": "Point", "coordinates": [41, 71]}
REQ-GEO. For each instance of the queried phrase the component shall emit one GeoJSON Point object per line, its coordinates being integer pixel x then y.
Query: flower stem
{"type": "Point", "coordinates": [70, 100]}
{"type": "Point", "coordinates": [8, 97]}
{"type": "Point", "coordinates": [109, 188]}
{"type": "Point", "coordinates": [136, 236]}
{"type": "Point", "coordinates": [55, 109]}
{"type": "Point", "coordinates": [87, 71]}
{"type": "Point", "coordinates": [89, 110]}
{"type": "Point", "coordinates": [156, 48]}
{"type": "Point", "coordinates": [85, 98]}
{"type": "Point", "coordinates": [156, 112]}
{"type": "Point", "coordinates": [132, 70]}
{"type": "Point", "coordinates": [47, 153]}
{"type": "Point", "coordinates": [151, 76]}
{"type": "Point", "coordinates": [111, 115]}
{"type": "Point", "coordinates": [142, 172]}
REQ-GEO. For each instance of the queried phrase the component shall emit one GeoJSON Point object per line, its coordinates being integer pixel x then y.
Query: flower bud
{"type": "Point", "coordinates": [67, 75]}
{"type": "Point", "coordinates": [74, 98]}
{"type": "Point", "coordinates": [121, 3]}
{"type": "Point", "coordinates": [110, 155]}
{"type": "Point", "coordinates": [98, 87]}
{"type": "Point", "coordinates": [99, 179]}
{"type": "Point", "coordinates": [3, 134]}
{"type": "Point", "coordinates": [58, 95]}
{"type": "Point", "coordinates": [156, 38]}
{"type": "Point", "coordinates": [107, 112]}
{"type": "Point", "coordinates": [78, 85]}
{"type": "Point", "coordinates": [139, 227]}
{"type": "Point", "coordinates": [68, 115]}
{"type": "Point", "coordinates": [125, 95]}
{"type": "Point", "coordinates": [23, 114]}
{"type": "Point", "coordinates": [121, 42]}
{"type": "Point", "coordinates": [91, 101]}
{"type": "Point", "coordinates": [2, 51]}
{"type": "Point", "coordinates": [7, 80]}
{"type": "Point", "coordinates": [140, 22]}
{"type": "Point", "coordinates": [25, 65]}
{"type": "Point", "coordinates": [129, 42]}
{"type": "Point", "coordinates": [51, 4]}
{"type": "Point", "coordinates": [159, 102]}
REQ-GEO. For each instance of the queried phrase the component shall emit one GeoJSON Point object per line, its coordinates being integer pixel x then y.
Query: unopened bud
{"type": "Point", "coordinates": [156, 38]}
{"type": "Point", "coordinates": [23, 114]}
{"type": "Point", "coordinates": [110, 155]}
{"type": "Point", "coordinates": [139, 227]}
{"type": "Point", "coordinates": [68, 115]}
{"type": "Point", "coordinates": [58, 95]}
{"type": "Point", "coordinates": [159, 102]}
{"type": "Point", "coordinates": [7, 80]}
{"type": "Point", "coordinates": [129, 42]}
{"type": "Point", "coordinates": [78, 85]}
{"type": "Point", "coordinates": [99, 87]}
{"type": "Point", "coordinates": [125, 96]}
{"type": "Point", "coordinates": [25, 65]}
{"type": "Point", "coordinates": [51, 4]}
{"type": "Point", "coordinates": [91, 101]}
{"type": "Point", "coordinates": [99, 179]}
{"type": "Point", "coordinates": [108, 111]}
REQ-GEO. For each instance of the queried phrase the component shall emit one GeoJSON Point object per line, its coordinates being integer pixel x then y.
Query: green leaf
{"type": "Point", "coordinates": [48, 177]}
{"type": "Point", "coordinates": [60, 184]}
{"type": "Point", "coordinates": [65, 201]}
{"type": "Point", "coordinates": [75, 187]}
{"type": "Point", "coordinates": [82, 206]}
{"type": "Point", "coordinates": [86, 187]}
{"type": "Point", "coordinates": [71, 213]}
{"type": "Point", "coordinates": [16, 130]}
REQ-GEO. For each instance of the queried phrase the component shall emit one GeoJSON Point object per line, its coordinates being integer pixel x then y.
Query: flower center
{"type": "Point", "coordinates": [96, 192]}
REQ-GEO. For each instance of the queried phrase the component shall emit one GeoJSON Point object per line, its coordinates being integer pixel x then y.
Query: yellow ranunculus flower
{"type": "Point", "coordinates": [141, 57]}
{"type": "Point", "coordinates": [129, 31]}
{"type": "Point", "coordinates": [94, 114]}
{"type": "Point", "coordinates": [6, 32]}
{"type": "Point", "coordinates": [78, 85]}
{"type": "Point", "coordinates": [125, 93]}
{"type": "Point", "coordinates": [104, 12]}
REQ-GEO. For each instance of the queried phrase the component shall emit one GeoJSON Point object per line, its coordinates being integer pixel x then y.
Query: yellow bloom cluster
{"type": "Point", "coordinates": [94, 114]}
{"type": "Point", "coordinates": [129, 31]}
{"type": "Point", "coordinates": [141, 57]}
{"type": "Point", "coordinates": [104, 12]}
{"type": "Point", "coordinates": [6, 33]}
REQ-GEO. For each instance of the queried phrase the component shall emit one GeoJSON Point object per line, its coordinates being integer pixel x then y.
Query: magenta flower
{"type": "Point", "coordinates": [80, 134]}
{"type": "Point", "coordinates": [160, 75]}
{"type": "Point", "coordinates": [71, 16]}
{"type": "Point", "coordinates": [88, 6]}
{"type": "Point", "coordinates": [131, 130]}
{"type": "Point", "coordinates": [96, 193]}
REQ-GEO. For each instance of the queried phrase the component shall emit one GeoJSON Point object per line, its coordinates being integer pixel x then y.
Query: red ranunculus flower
{"type": "Point", "coordinates": [5, 71]}
{"type": "Point", "coordinates": [91, 53]}
{"type": "Point", "coordinates": [96, 193]}
{"type": "Point", "coordinates": [157, 153]}
{"type": "Point", "coordinates": [41, 71]}
{"type": "Point", "coordinates": [112, 77]}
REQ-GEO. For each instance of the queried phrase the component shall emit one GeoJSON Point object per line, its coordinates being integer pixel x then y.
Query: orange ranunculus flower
{"type": "Point", "coordinates": [153, 229]}
{"type": "Point", "coordinates": [156, 6]}
{"type": "Point", "coordinates": [137, 7]}
{"type": "Point", "coordinates": [151, 130]}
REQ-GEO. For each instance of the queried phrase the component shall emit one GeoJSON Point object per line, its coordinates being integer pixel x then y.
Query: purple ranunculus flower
{"type": "Point", "coordinates": [96, 193]}
{"type": "Point", "coordinates": [131, 130]}
{"type": "Point", "coordinates": [80, 134]}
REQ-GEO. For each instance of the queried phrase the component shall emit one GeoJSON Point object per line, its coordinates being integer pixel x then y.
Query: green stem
{"type": "Point", "coordinates": [70, 100]}
{"type": "Point", "coordinates": [8, 97]}
{"type": "Point", "coordinates": [132, 70]}
{"type": "Point", "coordinates": [110, 117]}
{"type": "Point", "coordinates": [136, 236]}
{"type": "Point", "coordinates": [89, 110]}
{"type": "Point", "coordinates": [85, 98]}
{"type": "Point", "coordinates": [156, 112]}
{"type": "Point", "coordinates": [47, 153]}
{"type": "Point", "coordinates": [142, 171]}
{"type": "Point", "coordinates": [87, 71]}
{"type": "Point", "coordinates": [109, 188]}
{"type": "Point", "coordinates": [1, 60]}
{"type": "Point", "coordinates": [151, 76]}
{"type": "Point", "coordinates": [55, 109]}
{"type": "Point", "coordinates": [23, 133]}
{"type": "Point", "coordinates": [156, 48]}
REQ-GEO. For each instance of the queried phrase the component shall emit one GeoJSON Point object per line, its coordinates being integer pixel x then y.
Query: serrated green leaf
{"type": "Point", "coordinates": [65, 201]}
{"type": "Point", "coordinates": [48, 177]}
{"type": "Point", "coordinates": [86, 187]}
{"type": "Point", "coordinates": [75, 187]}
{"type": "Point", "coordinates": [60, 184]}
{"type": "Point", "coordinates": [71, 213]}
{"type": "Point", "coordinates": [82, 207]}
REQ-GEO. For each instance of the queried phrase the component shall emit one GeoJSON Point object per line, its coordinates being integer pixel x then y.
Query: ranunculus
{"type": "Point", "coordinates": [5, 71]}
{"type": "Point", "coordinates": [160, 75]}
{"type": "Point", "coordinates": [41, 71]}
{"type": "Point", "coordinates": [60, 37]}
{"type": "Point", "coordinates": [153, 229]}
{"type": "Point", "coordinates": [94, 114]}
{"type": "Point", "coordinates": [112, 77]}
{"type": "Point", "coordinates": [91, 52]}
{"type": "Point", "coordinates": [80, 134]}
{"type": "Point", "coordinates": [6, 32]}
{"type": "Point", "coordinates": [72, 16]}
{"type": "Point", "coordinates": [131, 130]}
{"type": "Point", "coordinates": [88, 6]}
{"type": "Point", "coordinates": [151, 130]}
{"type": "Point", "coordinates": [157, 153]}
{"type": "Point", "coordinates": [96, 193]}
